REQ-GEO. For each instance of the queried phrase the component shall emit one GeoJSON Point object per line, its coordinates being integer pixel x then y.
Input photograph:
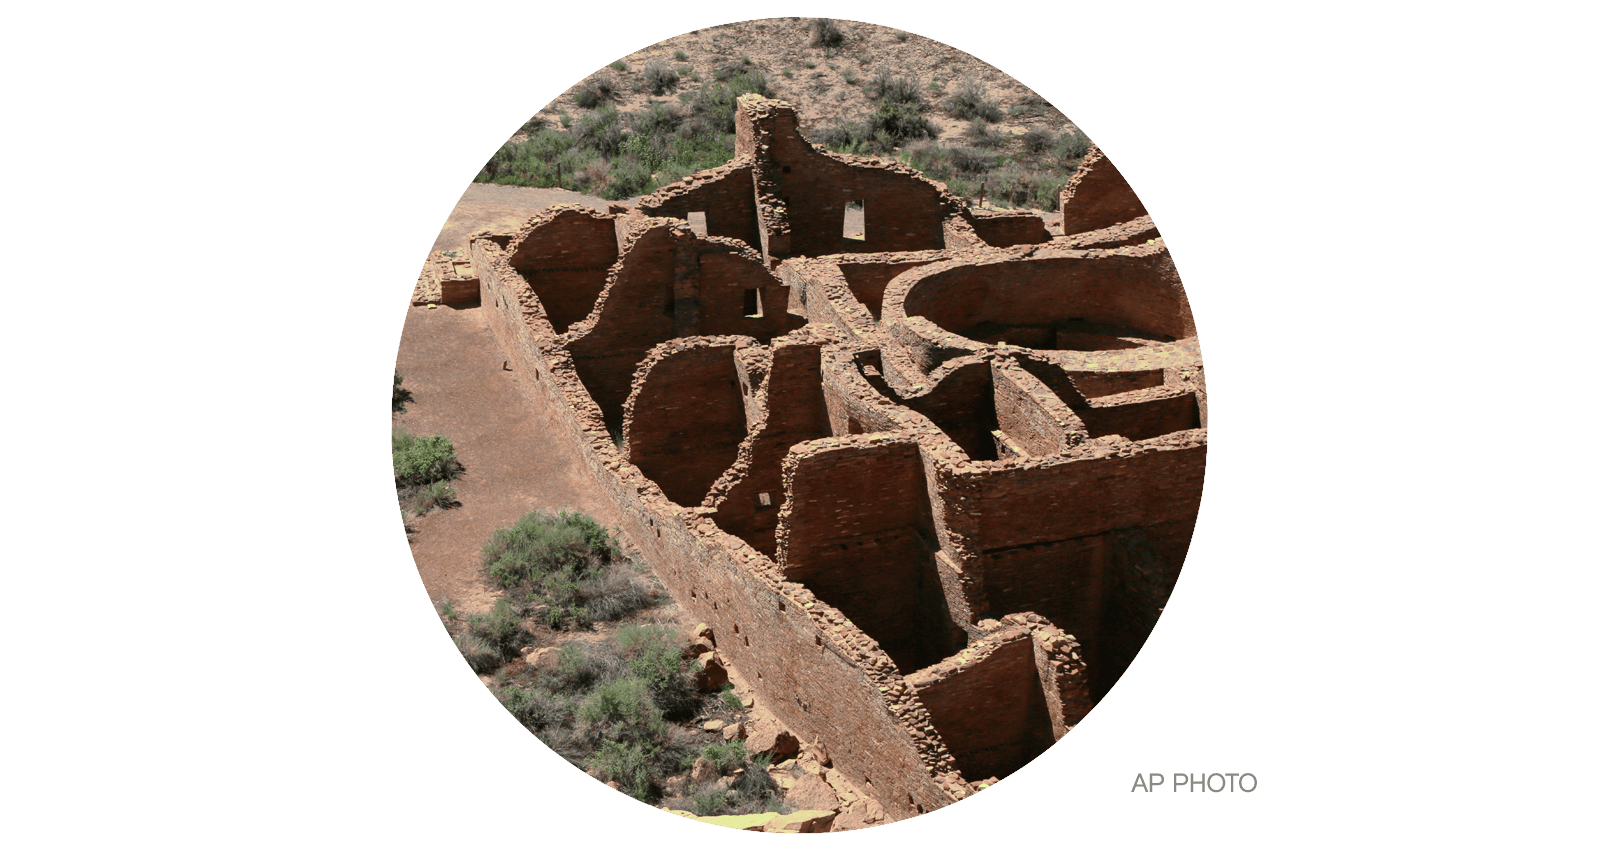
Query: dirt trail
{"type": "Point", "coordinates": [502, 209]}
{"type": "Point", "coordinates": [514, 464]}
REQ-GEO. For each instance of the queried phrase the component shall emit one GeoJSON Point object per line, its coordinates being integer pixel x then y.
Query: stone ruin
{"type": "Point", "coordinates": [930, 483]}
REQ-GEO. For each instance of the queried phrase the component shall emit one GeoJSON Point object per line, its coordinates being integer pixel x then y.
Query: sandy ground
{"type": "Point", "coordinates": [452, 366]}
{"type": "Point", "coordinates": [502, 209]}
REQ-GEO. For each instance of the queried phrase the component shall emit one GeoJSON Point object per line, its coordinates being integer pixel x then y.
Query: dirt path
{"type": "Point", "coordinates": [514, 464]}
{"type": "Point", "coordinates": [502, 209]}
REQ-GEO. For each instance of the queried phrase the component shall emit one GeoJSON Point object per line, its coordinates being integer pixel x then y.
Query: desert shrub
{"type": "Point", "coordinates": [753, 790]}
{"type": "Point", "coordinates": [595, 91]}
{"type": "Point", "coordinates": [619, 65]}
{"type": "Point", "coordinates": [421, 498]}
{"type": "Point", "coordinates": [580, 668]}
{"type": "Point", "coordinates": [716, 102]}
{"type": "Point", "coordinates": [972, 161]}
{"type": "Point", "coordinates": [535, 708]}
{"type": "Point", "coordinates": [482, 658]}
{"type": "Point", "coordinates": [850, 137]}
{"type": "Point", "coordinates": [422, 460]}
{"type": "Point", "coordinates": [980, 133]}
{"type": "Point", "coordinates": [731, 699]}
{"type": "Point", "coordinates": [402, 396]}
{"type": "Point", "coordinates": [628, 765]}
{"type": "Point", "coordinates": [968, 102]}
{"type": "Point", "coordinates": [530, 162]}
{"type": "Point", "coordinates": [541, 544]}
{"type": "Point", "coordinates": [826, 34]}
{"type": "Point", "coordinates": [1072, 146]}
{"type": "Point", "coordinates": [626, 177]}
{"type": "Point", "coordinates": [894, 124]}
{"type": "Point", "coordinates": [1031, 106]}
{"type": "Point", "coordinates": [888, 87]}
{"type": "Point", "coordinates": [725, 757]}
{"type": "Point", "coordinates": [850, 77]}
{"type": "Point", "coordinates": [901, 36]}
{"type": "Point", "coordinates": [1038, 140]}
{"type": "Point", "coordinates": [654, 656]}
{"type": "Point", "coordinates": [614, 594]}
{"type": "Point", "coordinates": [659, 79]}
{"type": "Point", "coordinates": [621, 709]}
{"type": "Point", "coordinates": [499, 630]}
{"type": "Point", "coordinates": [601, 131]}
{"type": "Point", "coordinates": [680, 56]}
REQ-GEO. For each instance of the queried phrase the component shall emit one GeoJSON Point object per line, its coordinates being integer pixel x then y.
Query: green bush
{"type": "Point", "coordinates": [421, 498]}
{"type": "Point", "coordinates": [680, 56]}
{"type": "Point", "coordinates": [535, 708]}
{"type": "Point", "coordinates": [1038, 140]}
{"type": "Point", "coordinates": [482, 658]}
{"type": "Point", "coordinates": [619, 65]}
{"type": "Point", "coordinates": [601, 131]}
{"type": "Point", "coordinates": [627, 177]}
{"type": "Point", "coordinates": [717, 102]}
{"type": "Point", "coordinates": [1071, 147]}
{"type": "Point", "coordinates": [422, 460]}
{"type": "Point", "coordinates": [826, 34]}
{"type": "Point", "coordinates": [888, 87]}
{"type": "Point", "coordinates": [597, 90]}
{"type": "Point", "coordinates": [500, 629]}
{"type": "Point", "coordinates": [628, 765]}
{"type": "Point", "coordinates": [972, 161]}
{"type": "Point", "coordinates": [968, 102]}
{"type": "Point", "coordinates": [659, 79]}
{"type": "Point", "coordinates": [542, 544]}
{"type": "Point", "coordinates": [894, 124]}
{"type": "Point", "coordinates": [621, 709]}
{"type": "Point", "coordinates": [984, 136]}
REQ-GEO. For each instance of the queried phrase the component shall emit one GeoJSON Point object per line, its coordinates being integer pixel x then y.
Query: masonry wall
{"type": "Point", "coordinates": [991, 713]}
{"type": "Point", "coordinates": [868, 280]}
{"type": "Point", "coordinates": [1096, 196]}
{"type": "Point", "coordinates": [808, 189]}
{"type": "Point", "coordinates": [1138, 583]}
{"type": "Point", "coordinates": [1138, 290]}
{"type": "Point", "coordinates": [962, 403]}
{"type": "Point", "coordinates": [1006, 228]}
{"type": "Point", "coordinates": [637, 314]}
{"type": "Point", "coordinates": [724, 284]}
{"type": "Point", "coordinates": [725, 194]}
{"type": "Point", "coordinates": [685, 418]}
{"type": "Point", "coordinates": [858, 532]}
{"type": "Point", "coordinates": [829, 682]}
{"type": "Point", "coordinates": [801, 414]}
{"type": "Point", "coordinates": [1028, 413]}
{"type": "Point", "coordinates": [1141, 420]}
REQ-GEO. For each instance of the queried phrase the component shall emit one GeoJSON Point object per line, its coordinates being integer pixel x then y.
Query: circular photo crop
{"type": "Point", "coordinates": [799, 425]}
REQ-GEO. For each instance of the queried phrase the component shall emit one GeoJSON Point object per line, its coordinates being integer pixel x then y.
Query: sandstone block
{"type": "Point", "coordinates": [812, 792]}
{"type": "Point", "coordinates": [803, 822]}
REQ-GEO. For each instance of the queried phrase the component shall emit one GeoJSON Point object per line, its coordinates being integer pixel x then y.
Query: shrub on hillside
{"type": "Point", "coordinates": [422, 460]}
{"type": "Point", "coordinates": [826, 34]}
{"type": "Point", "coordinates": [889, 87]}
{"type": "Point", "coordinates": [595, 91]}
{"type": "Point", "coordinates": [659, 79]}
{"type": "Point", "coordinates": [980, 133]}
{"type": "Point", "coordinates": [1071, 147]}
{"type": "Point", "coordinates": [968, 102]}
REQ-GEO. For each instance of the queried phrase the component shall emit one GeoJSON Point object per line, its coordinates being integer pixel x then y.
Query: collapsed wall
{"type": "Point", "coordinates": [929, 545]}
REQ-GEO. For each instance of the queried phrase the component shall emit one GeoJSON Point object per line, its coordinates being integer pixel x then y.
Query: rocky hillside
{"type": "Point", "coordinates": [658, 114]}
